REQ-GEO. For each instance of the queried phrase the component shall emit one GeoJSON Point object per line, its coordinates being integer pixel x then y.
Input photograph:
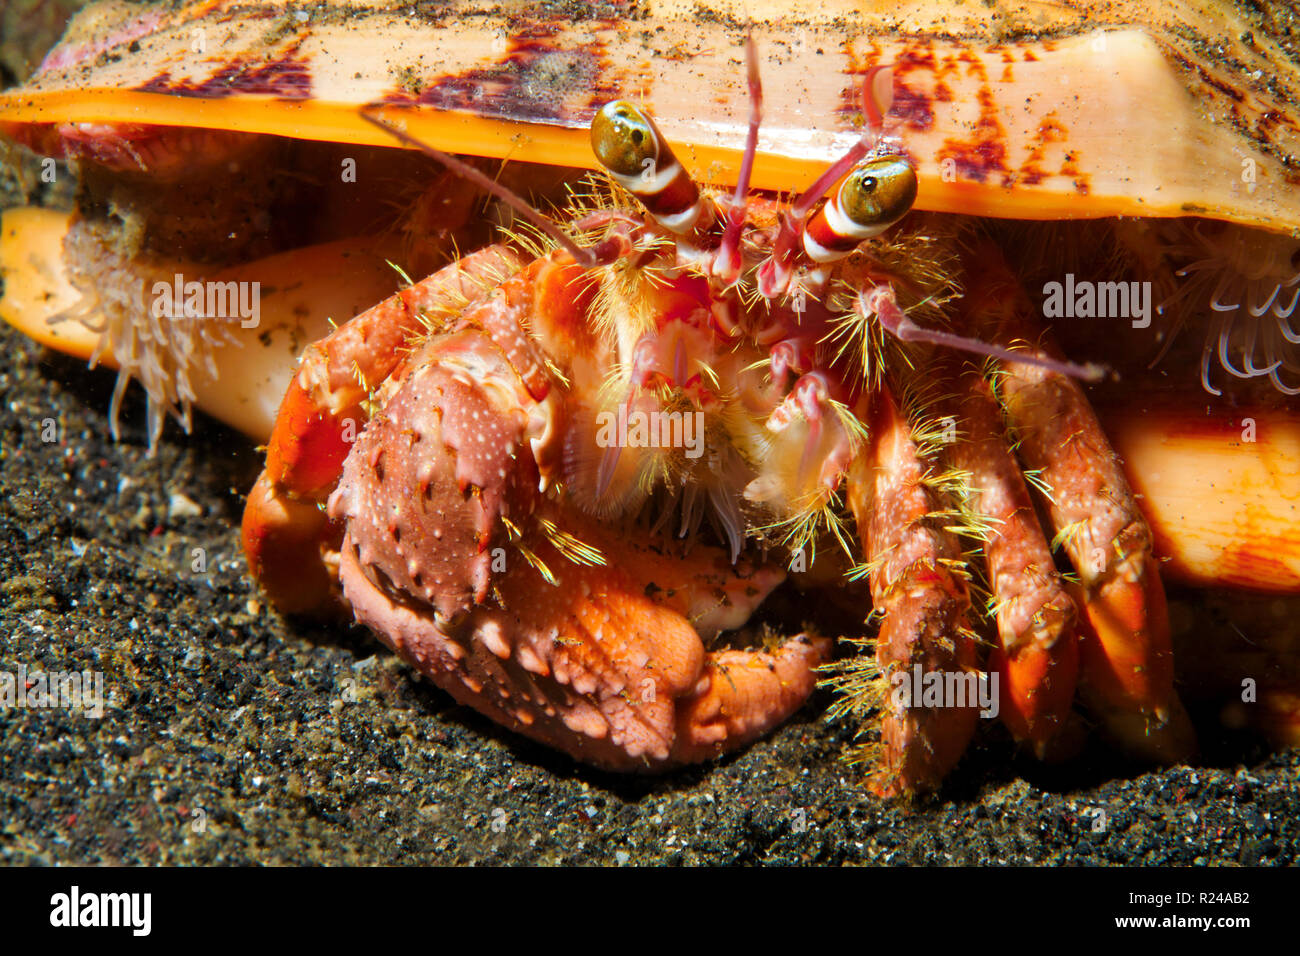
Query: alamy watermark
{"type": "Point", "coordinates": [208, 300]}
{"type": "Point", "coordinates": [1098, 300]}
{"type": "Point", "coordinates": [70, 690]}
{"type": "Point", "coordinates": [916, 688]}
{"type": "Point", "coordinates": [76, 909]}
{"type": "Point", "coordinates": [653, 429]}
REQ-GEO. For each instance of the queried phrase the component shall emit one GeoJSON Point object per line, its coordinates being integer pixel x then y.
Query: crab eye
{"type": "Point", "coordinates": [624, 139]}
{"type": "Point", "coordinates": [878, 193]}
{"type": "Point", "coordinates": [638, 158]}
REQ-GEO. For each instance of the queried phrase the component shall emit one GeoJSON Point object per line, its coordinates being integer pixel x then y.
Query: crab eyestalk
{"type": "Point", "coordinates": [875, 195]}
{"type": "Point", "coordinates": [634, 153]}
{"type": "Point", "coordinates": [775, 274]}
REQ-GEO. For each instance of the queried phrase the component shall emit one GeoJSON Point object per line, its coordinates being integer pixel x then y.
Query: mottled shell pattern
{"type": "Point", "coordinates": [1025, 110]}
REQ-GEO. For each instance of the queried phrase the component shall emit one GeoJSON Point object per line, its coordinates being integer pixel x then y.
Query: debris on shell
{"type": "Point", "coordinates": [1054, 111]}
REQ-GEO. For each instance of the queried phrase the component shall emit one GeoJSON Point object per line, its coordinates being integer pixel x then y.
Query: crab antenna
{"type": "Point", "coordinates": [911, 332]}
{"type": "Point", "coordinates": [877, 98]}
{"type": "Point", "coordinates": [728, 261]}
{"type": "Point", "coordinates": [877, 95]}
{"type": "Point", "coordinates": [880, 302]}
{"type": "Point", "coordinates": [584, 257]}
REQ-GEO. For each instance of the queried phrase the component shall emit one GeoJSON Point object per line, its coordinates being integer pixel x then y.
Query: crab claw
{"type": "Point", "coordinates": [526, 610]}
{"type": "Point", "coordinates": [600, 665]}
{"type": "Point", "coordinates": [286, 536]}
{"type": "Point", "coordinates": [741, 695]}
{"type": "Point", "coordinates": [283, 538]}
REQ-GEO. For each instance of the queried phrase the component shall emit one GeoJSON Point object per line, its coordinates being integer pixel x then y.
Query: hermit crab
{"type": "Point", "coordinates": [566, 472]}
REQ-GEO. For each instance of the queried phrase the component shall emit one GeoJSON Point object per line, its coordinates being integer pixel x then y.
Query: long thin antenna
{"type": "Point", "coordinates": [877, 98]}
{"type": "Point", "coordinates": [729, 251]}
{"type": "Point", "coordinates": [583, 256]}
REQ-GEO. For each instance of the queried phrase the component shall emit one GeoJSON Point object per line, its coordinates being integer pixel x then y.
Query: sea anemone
{"type": "Point", "coordinates": [1246, 282]}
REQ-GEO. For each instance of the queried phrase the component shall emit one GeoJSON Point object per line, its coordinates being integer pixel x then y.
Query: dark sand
{"type": "Point", "coordinates": [221, 708]}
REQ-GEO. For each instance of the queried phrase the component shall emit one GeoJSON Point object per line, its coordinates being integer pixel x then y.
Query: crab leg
{"type": "Point", "coordinates": [1126, 674]}
{"type": "Point", "coordinates": [918, 587]}
{"type": "Point", "coordinates": [1037, 657]}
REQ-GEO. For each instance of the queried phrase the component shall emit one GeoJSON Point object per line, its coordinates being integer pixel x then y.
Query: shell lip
{"type": "Point", "coordinates": [553, 144]}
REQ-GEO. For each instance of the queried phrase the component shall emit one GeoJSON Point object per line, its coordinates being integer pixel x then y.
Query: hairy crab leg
{"type": "Point", "coordinates": [917, 584]}
{"type": "Point", "coordinates": [1126, 663]}
{"type": "Point", "coordinates": [1037, 655]}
